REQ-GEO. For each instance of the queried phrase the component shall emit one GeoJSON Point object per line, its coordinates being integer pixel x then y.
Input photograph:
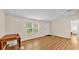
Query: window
{"type": "Point", "coordinates": [74, 25]}
{"type": "Point", "coordinates": [32, 28]}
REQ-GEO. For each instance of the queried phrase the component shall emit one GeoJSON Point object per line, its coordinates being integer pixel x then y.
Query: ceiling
{"type": "Point", "coordinates": [40, 14]}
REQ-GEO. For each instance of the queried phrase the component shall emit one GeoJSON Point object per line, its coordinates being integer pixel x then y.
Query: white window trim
{"type": "Point", "coordinates": [32, 28]}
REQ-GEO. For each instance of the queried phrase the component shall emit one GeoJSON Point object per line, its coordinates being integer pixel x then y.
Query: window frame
{"type": "Point", "coordinates": [32, 24]}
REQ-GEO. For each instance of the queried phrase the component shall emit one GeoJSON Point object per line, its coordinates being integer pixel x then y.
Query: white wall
{"type": "Point", "coordinates": [2, 23]}
{"type": "Point", "coordinates": [62, 27]}
{"type": "Point", "coordinates": [17, 25]}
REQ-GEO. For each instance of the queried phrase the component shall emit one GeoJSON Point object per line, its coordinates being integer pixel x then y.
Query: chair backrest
{"type": "Point", "coordinates": [9, 37]}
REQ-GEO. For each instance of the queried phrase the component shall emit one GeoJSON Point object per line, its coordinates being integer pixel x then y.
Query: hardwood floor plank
{"type": "Point", "coordinates": [47, 43]}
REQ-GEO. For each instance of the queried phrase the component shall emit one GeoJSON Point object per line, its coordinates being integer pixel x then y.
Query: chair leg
{"type": "Point", "coordinates": [19, 43]}
{"type": "Point", "coordinates": [1, 46]}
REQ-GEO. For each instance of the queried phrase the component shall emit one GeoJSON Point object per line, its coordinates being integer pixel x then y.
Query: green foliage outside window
{"type": "Point", "coordinates": [32, 28]}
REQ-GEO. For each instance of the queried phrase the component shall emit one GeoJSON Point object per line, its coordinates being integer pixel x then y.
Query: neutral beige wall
{"type": "Point", "coordinates": [2, 23]}
{"type": "Point", "coordinates": [17, 25]}
{"type": "Point", "coordinates": [61, 27]}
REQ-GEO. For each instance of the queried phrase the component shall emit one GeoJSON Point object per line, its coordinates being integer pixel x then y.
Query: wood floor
{"type": "Point", "coordinates": [47, 43]}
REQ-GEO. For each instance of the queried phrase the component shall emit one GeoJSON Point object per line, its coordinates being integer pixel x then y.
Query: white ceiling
{"type": "Point", "coordinates": [40, 14]}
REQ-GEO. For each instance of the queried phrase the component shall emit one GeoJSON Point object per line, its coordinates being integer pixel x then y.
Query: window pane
{"type": "Point", "coordinates": [74, 25]}
{"type": "Point", "coordinates": [35, 26]}
{"type": "Point", "coordinates": [29, 31]}
{"type": "Point", "coordinates": [29, 25]}
{"type": "Point", "coordinates": [35, 30]}
{"type": "Point", "coordinates": [31, 28]}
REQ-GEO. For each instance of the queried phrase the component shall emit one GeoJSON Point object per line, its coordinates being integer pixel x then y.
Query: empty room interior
{"type": "Point", "coordinates": [39, 29]}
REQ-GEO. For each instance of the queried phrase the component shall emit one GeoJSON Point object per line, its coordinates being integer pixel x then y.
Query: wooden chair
{"type": "Point", "coordinates": [10, 37]}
